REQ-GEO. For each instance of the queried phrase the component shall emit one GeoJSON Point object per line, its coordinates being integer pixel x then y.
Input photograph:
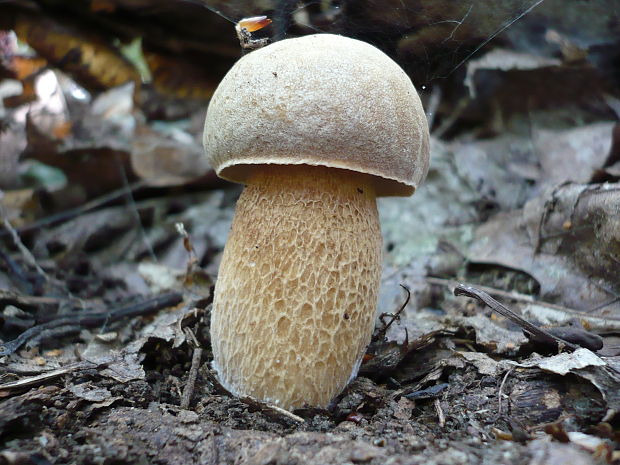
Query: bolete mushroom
{"type": "Point", "coordinates": [316, 127]}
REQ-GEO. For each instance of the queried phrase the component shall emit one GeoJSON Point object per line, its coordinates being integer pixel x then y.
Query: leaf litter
{"type": "Point", "coordinates": [521, 202]}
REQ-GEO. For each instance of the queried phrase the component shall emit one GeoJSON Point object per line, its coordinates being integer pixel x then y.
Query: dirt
{"type": "Point", "coordinates": [86, 418]}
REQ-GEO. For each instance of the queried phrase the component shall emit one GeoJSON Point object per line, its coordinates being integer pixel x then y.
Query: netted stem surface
{"type": "Point", "coordinates": [297, 288]}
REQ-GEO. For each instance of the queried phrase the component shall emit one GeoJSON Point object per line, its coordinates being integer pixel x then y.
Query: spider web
{"type": "Point", "coordinates": [431, 40]}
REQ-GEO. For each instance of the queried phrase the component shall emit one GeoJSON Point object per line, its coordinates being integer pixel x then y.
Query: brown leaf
{"type": "Point", "coordinates": [573, 155]}
{"type": "Point", "coordinates": [567, 239]}
{"type": "Point", "coordinates": [92, 61]}
{"type": "Point", "coordinates": [180, 78]}
{"type": "Point", "coordinates": [163, 160]}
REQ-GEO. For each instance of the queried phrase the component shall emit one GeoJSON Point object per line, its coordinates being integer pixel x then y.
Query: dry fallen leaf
{"type": "Point", "coordinates": [93, 62]}
{"type": "Point", "coordinates": [167, 159]}
{"type": "Point", "coordinates": [577, 266]}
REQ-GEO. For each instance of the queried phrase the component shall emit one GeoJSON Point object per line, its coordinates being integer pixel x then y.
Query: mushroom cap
{"type": "Point", "coordinates": [321, 100]}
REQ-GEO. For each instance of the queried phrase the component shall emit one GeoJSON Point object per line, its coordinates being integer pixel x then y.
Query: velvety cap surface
{"type": "Point", "coordinates": [323, 100]}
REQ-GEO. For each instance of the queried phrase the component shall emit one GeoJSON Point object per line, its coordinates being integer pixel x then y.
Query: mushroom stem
{"type": "Point", "coordinates": [295, 298]}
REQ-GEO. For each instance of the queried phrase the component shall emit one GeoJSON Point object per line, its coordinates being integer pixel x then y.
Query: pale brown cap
{"type": "Point", "coordinates": [324, 100]}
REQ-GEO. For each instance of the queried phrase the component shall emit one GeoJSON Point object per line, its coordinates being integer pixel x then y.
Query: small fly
{"type": "Point", "coordinates": [247, 26]}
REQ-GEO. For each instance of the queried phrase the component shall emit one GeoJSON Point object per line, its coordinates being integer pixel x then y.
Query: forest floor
{"type": "Point", "coordinates": [113, 225]}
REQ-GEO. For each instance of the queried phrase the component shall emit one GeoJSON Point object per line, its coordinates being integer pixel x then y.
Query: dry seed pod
{"type": "Point", "coordinates": [316, 127]}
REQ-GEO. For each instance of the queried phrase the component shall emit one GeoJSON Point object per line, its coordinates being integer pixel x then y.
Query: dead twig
{"type": "Point", "coordinates": [395, 316]}
{"type": "Point", "coordinates": [271, 410]}
{"type": "Point", "coordinates": [440, 415]}
{"type": "Point", "coordinates": [520, 298]}
{"type": "Point", "coordinates": [193, 371]}
{"type": "Point", "coordinates": [501, 392]}
{"type": "Point", "coordinates": [607, 303]}
{"type": "Point", "coordinates": [39, 379]}
{"type": "Point", "coordinates": [447, 123]}
{"type": "Point", "coordinates": [432, 392]}
{"type": "Point", "coordinates": [616, 296]}
{"type": "Point", "coordinates": [14, 298]}
{"type": "Point", "coordinates": [75, 212]}
{"type": "Point", "coordinates": [573, 333]}
{"type": "Point", "coordinates": [90, 320]}
{"type": "Point", "coordinates": [22, 248]}
{"type": "Point", "coordinates": [187, 244]}
{"type": "Point", "coordinates": [540, 334]}
{"type": "Point", "coordinates": [16, 272]}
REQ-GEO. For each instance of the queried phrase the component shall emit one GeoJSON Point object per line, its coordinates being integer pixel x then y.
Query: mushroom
{"type": "Point", "coordinates": [316, 128]}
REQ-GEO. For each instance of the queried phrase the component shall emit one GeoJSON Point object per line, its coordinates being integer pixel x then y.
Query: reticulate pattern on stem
{"type": "Point", "coordinates": [297, 289]}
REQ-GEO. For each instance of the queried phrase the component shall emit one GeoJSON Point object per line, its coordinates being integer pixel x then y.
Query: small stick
{"type": "Point", "coordinates": [15, 271]}
{"type": "Point", "coordinates": [22, 248]}
{"type": "Point", "coordinates": [440, 415]}
{"type": "Point", "coordinates": [188, 392]}
{"type": "Point", "coordinates": [501, 393]}
{"type": "Point", "coordinates": [91, 320]}
{"type": "Point", "coordinates": [54, 333]}
{"type": "Point", "coordinates": [11, 297]}
{"type": "Point", "coordinates": [270, 409]}
{"type": "Point", "coordinates": [522, 298]}
{"type": "Point", "coordinates": [47, 376]}
{"type": "Point", "coordinates": [395, 316]}
{"type": "Point", "coordinates": [493, 304]}
{"type": "Point", "coordinates": [191, 379]}
{"type": "Point", "coordinates": [187, 244]}
{"type": "Point", "coordinates": [74, 212]}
